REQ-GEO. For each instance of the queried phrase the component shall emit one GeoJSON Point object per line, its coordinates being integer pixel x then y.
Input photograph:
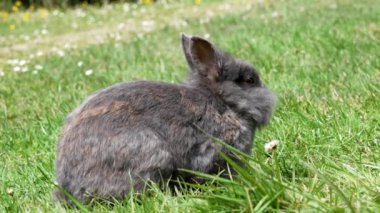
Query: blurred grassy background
{"type": "Point", "coordinates": [16, 5]}
{"type": "Point", "coordinates": [321, 58]}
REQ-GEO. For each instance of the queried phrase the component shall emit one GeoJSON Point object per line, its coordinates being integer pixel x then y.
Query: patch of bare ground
{"type": "Point", "coordinates": [174, 16]}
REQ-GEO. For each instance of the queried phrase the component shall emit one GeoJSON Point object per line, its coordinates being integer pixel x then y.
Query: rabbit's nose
{"type": "Point", "coordinates": [261, 84]}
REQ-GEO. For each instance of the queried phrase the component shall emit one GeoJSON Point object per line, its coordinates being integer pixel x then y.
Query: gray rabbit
{"type": "Point", "coordinates": [129, 133]}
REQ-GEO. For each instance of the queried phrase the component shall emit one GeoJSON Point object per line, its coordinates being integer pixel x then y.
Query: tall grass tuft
{"type": "Point", "coordinates": [261, 185]}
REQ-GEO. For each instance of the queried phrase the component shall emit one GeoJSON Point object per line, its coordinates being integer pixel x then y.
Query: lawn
{"type": "Point", "coordinates": [321, 58]}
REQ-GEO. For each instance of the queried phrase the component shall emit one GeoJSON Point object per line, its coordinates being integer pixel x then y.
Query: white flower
{"type": "Point", "coordinates": [24, 69]}
{"type": "Point", "coordinates": [60, 53]}
{"type": "Point", "coordinates": [210, 13]}
{"type": "Point", "coordinates": [80, 64]}
{"type": "Point", "coordinates": [271, 146]}
{"type": "Point", "coordinates": [178, 23]}
{"type": "Point", "coordinates": [16, 69]}
{"type": "Point", "coordinates": [34, 72]}
{"type": "Point", "coordinates": [226, 7]}
{"type": "Point", "coordinates": [67, 46]}
{"type": "Point", "coordinates": [2, 73]}
{"type": "Point", "coordinates": [116, 36]}
{"type": "Point", "coordinates": [148, 25]}
{"type": "Point", "coordinates": [80, 13]}
{"type": "Point", "coordinates": [22, 62]}
{"type": "Point", "coordinates": [88, 72]}
{"type": "Point", "coordinates": [13, 61]}
{"type": "Point", "coordinates": [74, 25]}
{"type": "Point", "coordinates": [117, 45]}
{"type": "Point", "coordinates": [38, 67]}
{"type": "Point", "coordinates": [91, 20]}
{"type": "Point", "coordinates": [204, 21]}
{"type": "Point", "coordinates": [120, 26]}
{"type": "Point", "coordinates": [55, 13]}
{"type": "Point", "coordinates": [10, 191]}
{"type": "Point", "coordinates": [40, 53]}
{"type": "Point", "coordinates": [44, 31]}
{"type": "Point", "coordinates": [207, 36]}
{"type": "Point", "coordinates": [125, 7]}
{"type": "Point", "coordinates": [333, 6]}
{"type": "Point", "coordinates": [275, 14]}
{"type": "Point", "coordinates": [26, 37]}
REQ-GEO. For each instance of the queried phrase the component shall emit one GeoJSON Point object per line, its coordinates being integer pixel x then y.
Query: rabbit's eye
{"type": "Point", "coordinates": [240, 79]}
{"type": "Point", "coordinates": [251, 80]}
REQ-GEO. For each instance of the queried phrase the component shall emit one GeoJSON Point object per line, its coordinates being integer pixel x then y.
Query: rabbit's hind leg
{"type": "Point", "coordinates": [149, 159]}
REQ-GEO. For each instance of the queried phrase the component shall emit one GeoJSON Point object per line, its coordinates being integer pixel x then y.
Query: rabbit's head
{"type": "Point", "coordinates": [236, 82]}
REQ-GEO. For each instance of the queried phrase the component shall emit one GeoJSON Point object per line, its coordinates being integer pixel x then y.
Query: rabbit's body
{"type": "Point", "coordinates": [143, 130]}
{"type": "Point", "coordinates": [128, 133]}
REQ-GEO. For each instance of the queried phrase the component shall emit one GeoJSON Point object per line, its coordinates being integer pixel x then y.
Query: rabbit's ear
{"type": "Point", "coordinates": [201, 56]}
{"type": "Point", "coordinates": [186, 49]}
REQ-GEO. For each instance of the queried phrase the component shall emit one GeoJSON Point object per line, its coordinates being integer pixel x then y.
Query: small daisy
{"type": "Point", "coordinates": [121, 26]}
{"type": "Point", "coordinates": [275, 14]}
{"type": "Point", "coordinates": [24, 69]}
{"type": "Point", "coordinates": [10, 191]}
{"type": "Point", "coordinates": [74, 25]}
{"type": "Point", "coordinates": [38, 67]}
{"type": "Point", "coordinates": [16, 69]}
{"type": "Point", "coordinates": [55, 13]}
{"type": "Point", "coordinates": [61, 53]}
{"type": "Point", "coordinates": [80, 64]}
{"type": "Point", "coordinates": [26, 38]}
{"type": "Point", "coordinates": [22, 62]}
{"type": "Point", "coordinates": [126, 7]}
{"type": "Point", "coordinates": [271, 146]}
{"type": "Point", "coordinates": [148, 25]}
{"type": "Point", "coordinates": [13, 61]}
{"type": "Point", "coordinates": [44, 32]}
{"type": "Point", "coordinates": [88, 72]}
{"type": "Point", "coordinates": [40, 53]}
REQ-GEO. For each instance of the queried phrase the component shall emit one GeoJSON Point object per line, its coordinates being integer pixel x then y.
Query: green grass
{"type": "Point", "coordinates": [322, 59]}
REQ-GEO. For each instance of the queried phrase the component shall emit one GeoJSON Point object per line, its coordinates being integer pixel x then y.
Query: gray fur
{"type": "Point", "coordinates": [132, 132]}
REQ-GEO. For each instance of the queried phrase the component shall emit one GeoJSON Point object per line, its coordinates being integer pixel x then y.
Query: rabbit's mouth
{"type": "Point", "coordinates": [261, 103]}
{"type": "Point", "coordinates": [255, 104]}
